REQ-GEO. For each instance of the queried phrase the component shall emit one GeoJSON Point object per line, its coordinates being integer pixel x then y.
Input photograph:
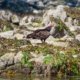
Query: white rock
{"type": "Point", "coordinates": [15, 19]}
{"type": "Point", "coordinates": [59, 12]}
{"type": "Point", "coordinates": [78, 37]}
{"type": "Point", "coordinates": [36, 11]}
{"type": "Point", "coordinates": [72, 25]}
{"type": "Point", "coordinates": [24, 21]}
{"type": "Point", "coordinates": [52, 41]}
{"type": "Point", "coordinates": [67, 38]}
{"type": "Point", "coordinates": [46, 20]}
{"type": "Point", "coordinates": [30, 19]}
{"type": "Point", "coordinates": [2, 64]}
{"type": "Point", "coordinates": [1, 14]}
{"type": "Point", "coordinates": [7, 34]}
{"type": "Point", "coordinates": [18, 57]}
{"type": "Point", "coordinates": [63, 16]}
{"type": "Point", "coordinates": [19, 36]}
{"type": "Point", "coordinates": [8, 58]}
{"type": "Point", "coordinates": [75, 22]}
{"type": "Point", "coordinates": [35, 41]}
{"type": "Point", "coordinates": [5, 15]}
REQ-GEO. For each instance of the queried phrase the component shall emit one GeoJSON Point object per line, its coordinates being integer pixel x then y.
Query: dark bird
{"type": "Point", "coordinates": [41, 34]}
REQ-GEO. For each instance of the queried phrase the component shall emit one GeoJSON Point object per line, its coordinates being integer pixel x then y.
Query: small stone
{"type": "Point", "coordinates": [15, 19]}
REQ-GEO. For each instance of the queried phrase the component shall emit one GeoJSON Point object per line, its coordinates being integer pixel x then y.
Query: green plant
{"type": "Point", "coordinates": [25, 59]}
{"type": "Point", "coordinates": [59, 59]}
{"type": "Point", "coordinates": [48, 60]}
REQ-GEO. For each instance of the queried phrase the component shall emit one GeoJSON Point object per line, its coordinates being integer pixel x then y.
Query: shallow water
{"type": "Point", "coordinates": [25, 77]}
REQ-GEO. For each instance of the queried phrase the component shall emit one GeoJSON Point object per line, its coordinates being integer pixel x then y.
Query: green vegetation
{"type": "Point", "coordinates": [48, 60]}
{"type": "Point", "coordinates": [25, 60]}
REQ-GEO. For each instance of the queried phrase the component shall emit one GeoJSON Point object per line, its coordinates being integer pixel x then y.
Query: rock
{"type": "Point", "coordinates": [46, 20]}
{"type": "Point", "coordinates": [30, 19]}
{"type": "Point", "coordinates": [2, 65]}
{"type": "Point", "coordinates": [75, 22]}
{"type": "Point", "coordinates": [7, 59]}
{"type": "Point", "coordinates": [59, 12]}
{"type": "Point", "coordinates": [40, 4]}
{"type": "Point", "coordinates": [18, 57]}
{"type": "Point", "coordinates": [35, 41]}
{"type": "Point", "coordinates": [19, 36]}
{"type": "Point", "coordinates": [1, 14]}
{"type": "Point", "coordinates": [78, 38]}
{"type": "Point", "coordinates": [7, 34]}
{"type": "Point", "coordinates": [37, 58]}
{"type": "Point", "coordinates": [15, 19]}
{"type": "Point", "coordinates": [24, 21]}
{"type": "Point", "coordinates": [67, 38]}
{"type": "Point", "coordinates": [6, 15]}
{"type": "Point", "coordinates": [72, 24]}
{"type": "Point", "coordinates": [63, 16]}
{"type": "Point", "coordinates": [52, 41]}
{"type": "Point", "coordinates": [36, 11]}
{"type": "Point", "coordinates": [10, 59]}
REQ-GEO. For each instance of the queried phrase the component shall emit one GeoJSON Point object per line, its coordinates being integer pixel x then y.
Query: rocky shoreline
{"type": "Point", "coordinates": [58, 55]}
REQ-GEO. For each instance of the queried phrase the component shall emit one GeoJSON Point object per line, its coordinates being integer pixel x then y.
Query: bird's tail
{"type": "Point", "coordinates": [30, 36]}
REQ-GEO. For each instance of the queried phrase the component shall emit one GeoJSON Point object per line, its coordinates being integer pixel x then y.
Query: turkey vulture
{"type": "Point", "coordinates": [41, 34]}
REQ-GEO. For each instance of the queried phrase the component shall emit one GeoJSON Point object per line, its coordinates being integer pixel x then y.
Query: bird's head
{"type": "Point", "coordinates": [51, 24]}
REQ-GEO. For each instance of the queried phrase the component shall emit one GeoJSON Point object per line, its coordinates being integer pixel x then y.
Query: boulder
{"type": "Point", "coordinates": [59, 12]}
{"type": "Point", "coordinates": [6, 60]}
{"type": "Point", "coordinates": [52, 41]}
{"type": "Point", "coordinates": [7, 34]}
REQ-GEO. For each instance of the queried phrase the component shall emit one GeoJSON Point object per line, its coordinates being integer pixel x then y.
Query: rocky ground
{"type": "Point", "coordinates": [59, 54]}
